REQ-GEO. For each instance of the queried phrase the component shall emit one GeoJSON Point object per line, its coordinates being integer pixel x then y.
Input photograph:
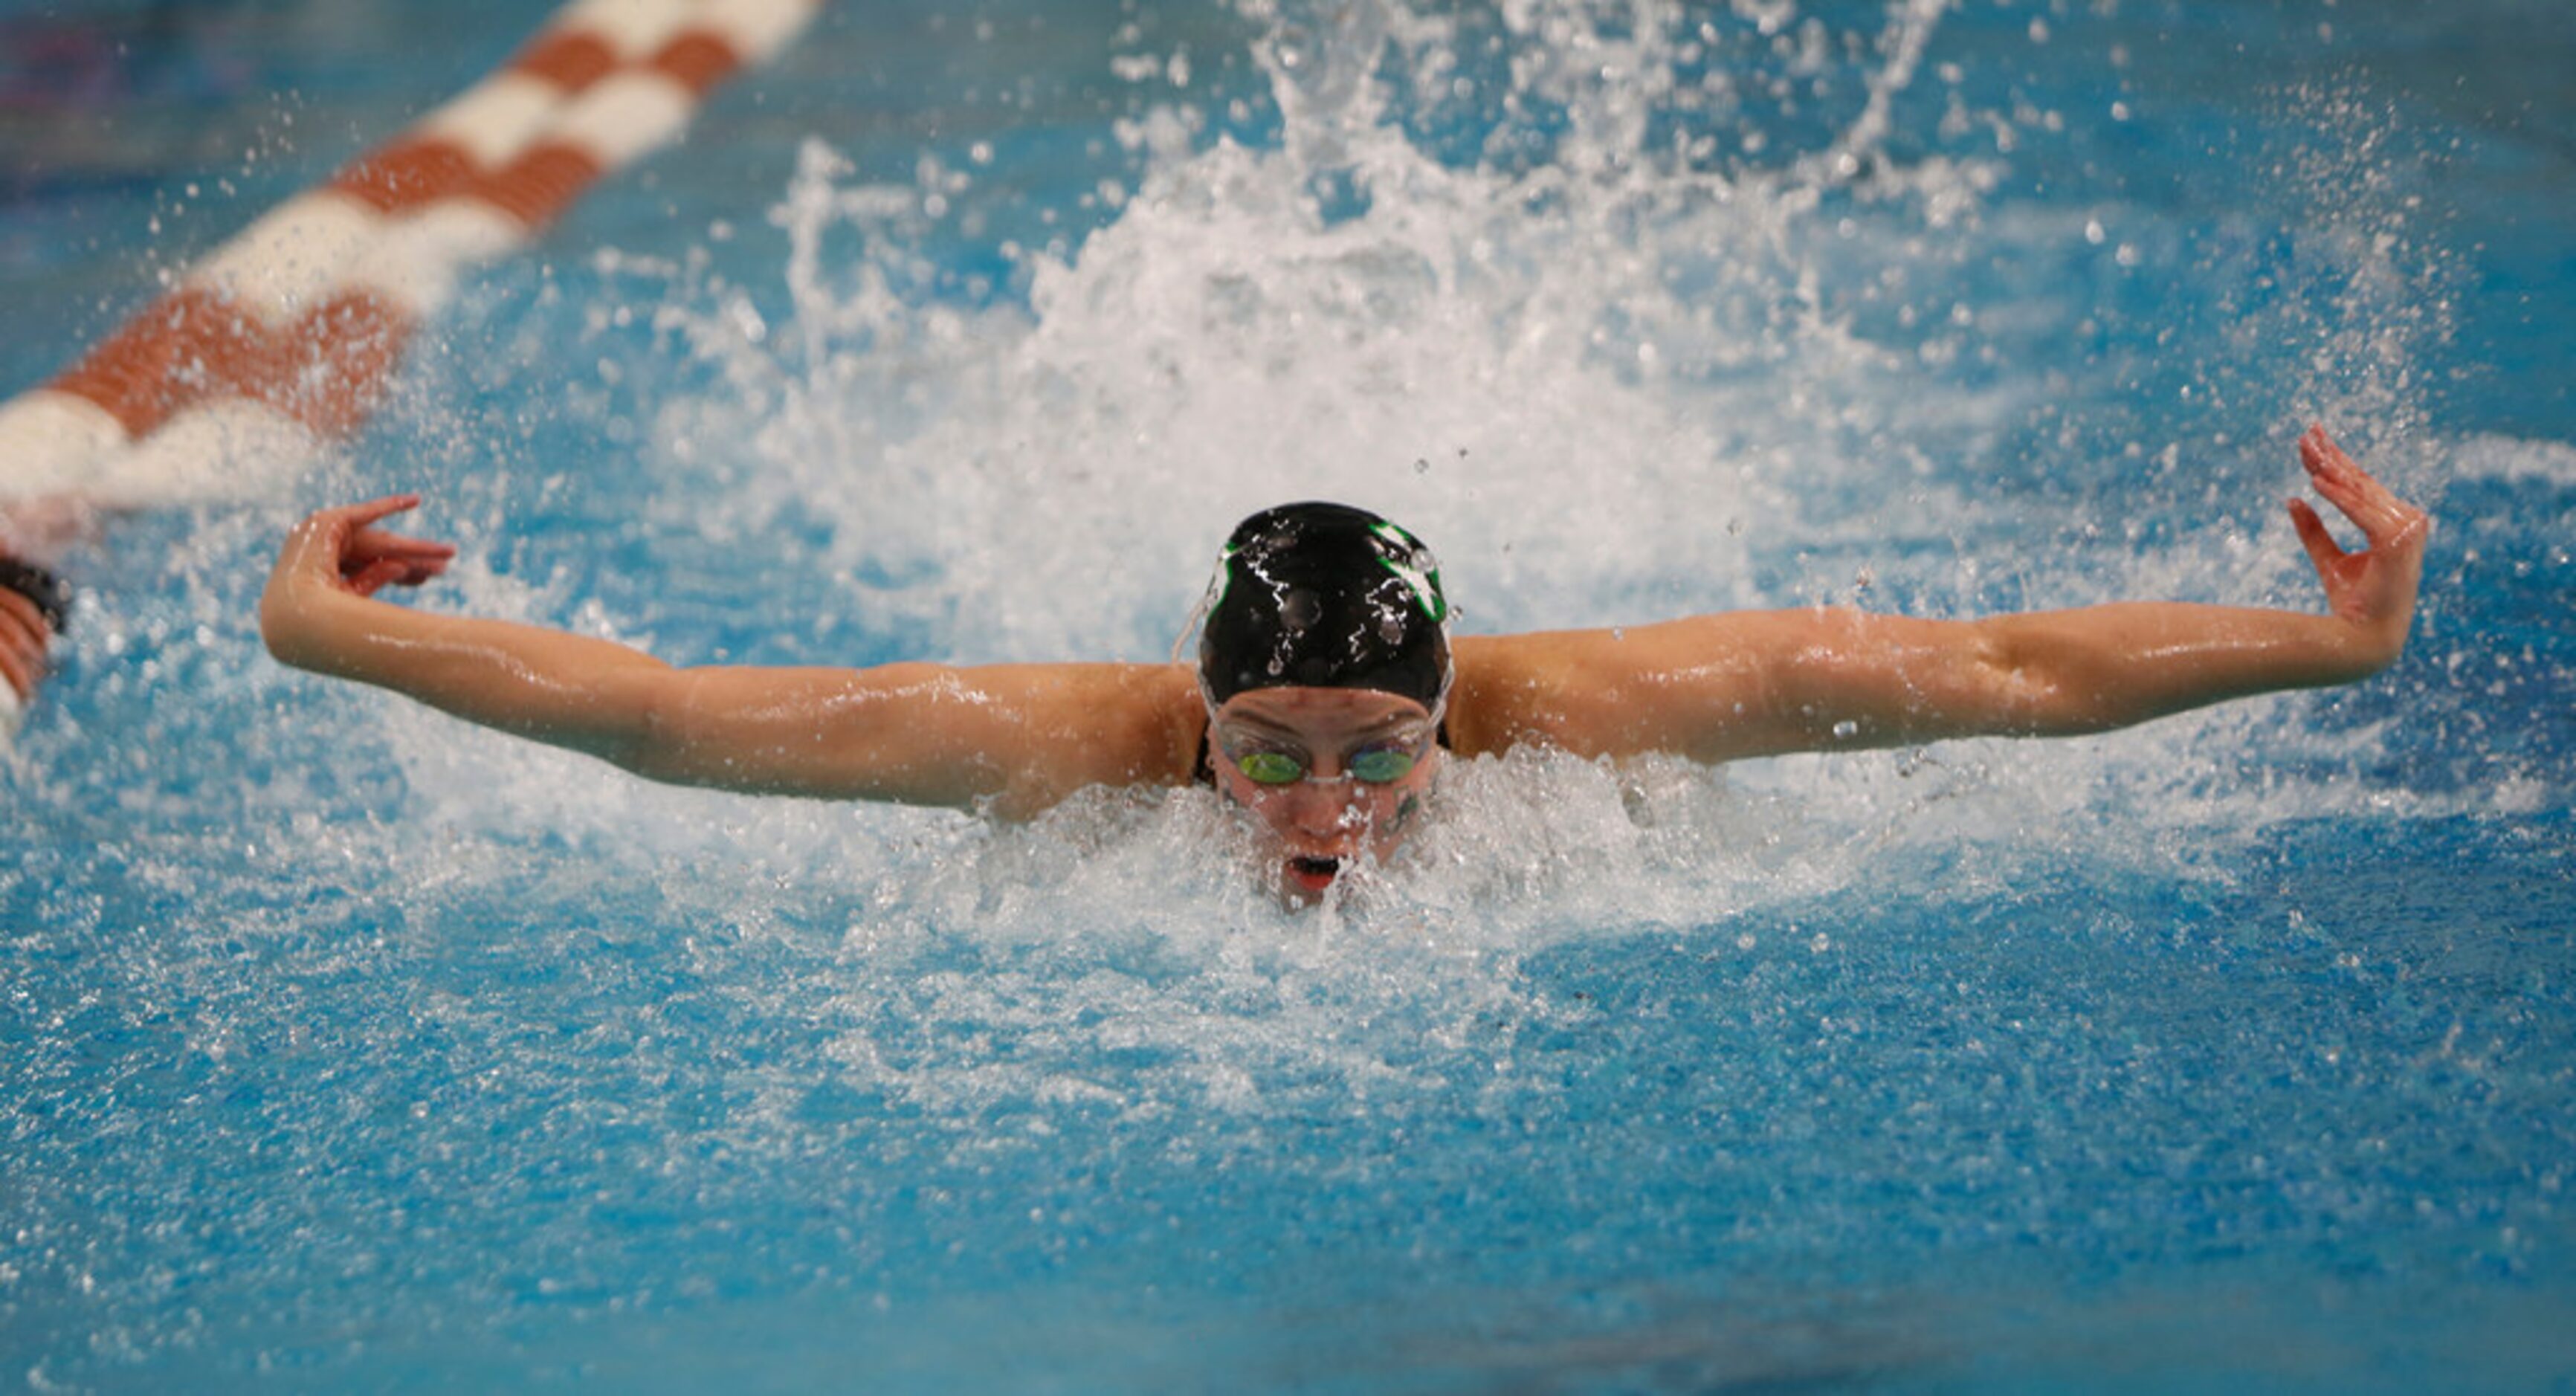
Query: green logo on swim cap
{"type": "Point", "coordinates": [1399, 558]}
{"type": "Point", "coordinates": [1223, 579]}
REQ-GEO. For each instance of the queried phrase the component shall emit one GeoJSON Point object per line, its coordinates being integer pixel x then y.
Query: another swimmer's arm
{"type": "Point", "coordinates": [24, 639]}
{"type": "Point", "coordinates": [30, 529]}
{"type": "Point", "coordinates": [1019, 737]}
{"type": "Point", "coordinates": [1727, 686]}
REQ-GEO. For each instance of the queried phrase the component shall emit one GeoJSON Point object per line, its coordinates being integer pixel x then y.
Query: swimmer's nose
{"type": "Point", "coordinates": [1325, 808]}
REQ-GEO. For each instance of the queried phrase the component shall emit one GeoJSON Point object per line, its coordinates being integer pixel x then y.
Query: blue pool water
{"type": "Point", "coordinates": [346, 1048]}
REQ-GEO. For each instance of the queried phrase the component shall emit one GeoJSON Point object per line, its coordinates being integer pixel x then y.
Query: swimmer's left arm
{"type": "Point", "coordinates": [2102, 667]}
{"type": "Point", "coordinates": [1722, 687]}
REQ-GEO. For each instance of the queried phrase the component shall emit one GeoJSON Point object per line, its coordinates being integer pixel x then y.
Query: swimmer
{"type": "Point", "coordinates": [1328, 691]}
{"type": "Point", "coordinates": [35, 601]}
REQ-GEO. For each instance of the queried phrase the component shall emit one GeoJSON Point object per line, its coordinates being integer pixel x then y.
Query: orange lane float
{"type": "Point", "coordinates": [283, 339]}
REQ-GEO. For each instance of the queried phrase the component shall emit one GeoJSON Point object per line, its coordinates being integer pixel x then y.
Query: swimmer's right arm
{"type": "Point", "coordinates": [1011, 738]}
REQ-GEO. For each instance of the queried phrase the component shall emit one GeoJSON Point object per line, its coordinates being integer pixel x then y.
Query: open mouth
{"type": "Point", "coordinates": [1314, 874]}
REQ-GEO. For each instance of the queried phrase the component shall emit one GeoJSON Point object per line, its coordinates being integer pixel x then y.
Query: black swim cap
{"type": "Point", "coordinates": [1325, 596]}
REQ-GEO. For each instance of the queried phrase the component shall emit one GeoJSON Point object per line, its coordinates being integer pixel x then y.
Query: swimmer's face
{"type": "Point", "coordinates": [1330, 774]}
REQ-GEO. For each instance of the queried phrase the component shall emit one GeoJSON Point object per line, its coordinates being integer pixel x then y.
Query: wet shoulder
{"type": "Point", "coordinates": [1074, 726]}
{"type": "Point", "coordinates": [1513, 690]}
{"type": "Point", "coordinates": [1610, 691]}
{"type": "Point", "coordinates": [1149, 718]}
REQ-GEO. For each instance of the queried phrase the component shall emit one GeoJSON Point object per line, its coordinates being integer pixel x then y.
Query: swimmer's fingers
{"type": "Point", "coordinates": [357, 520]}
{"type": "Point", "coordinates": [374, 558]}
{"type": "Point", "coordinates": [2321, 546]}
{"type": "Point", "coordinates": [341, 547]}
{"type": "Point", "coordinates": [2322, 549]}
{"type": "Point", "coordinates": [2373, 588]}
{"type": "Point", "coordinates": [2387, 520]}
{"type": "Point", "coordinates": [375, 576]}
{"type": "Point", "coordinates": [325, 533]}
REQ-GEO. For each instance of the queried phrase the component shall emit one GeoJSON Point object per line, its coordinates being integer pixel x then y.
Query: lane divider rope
{"type": "Point", "coordinates": [283, 338]}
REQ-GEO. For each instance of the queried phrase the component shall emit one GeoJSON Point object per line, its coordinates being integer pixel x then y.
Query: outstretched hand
{"type": "Point", "coordinates": [342, 548]}
{"type": "Point", "coordinates": [335, 553]}
{"type": "Point", "coordinates": [2373, 589]}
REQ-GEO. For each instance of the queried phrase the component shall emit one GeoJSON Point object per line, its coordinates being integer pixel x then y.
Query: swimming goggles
{"type": "Point", "coordinates": [1378, 763]}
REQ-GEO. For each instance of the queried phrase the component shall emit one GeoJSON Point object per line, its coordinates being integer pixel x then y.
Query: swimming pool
{"type": "Point", "coordinates": [349, 1048]}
